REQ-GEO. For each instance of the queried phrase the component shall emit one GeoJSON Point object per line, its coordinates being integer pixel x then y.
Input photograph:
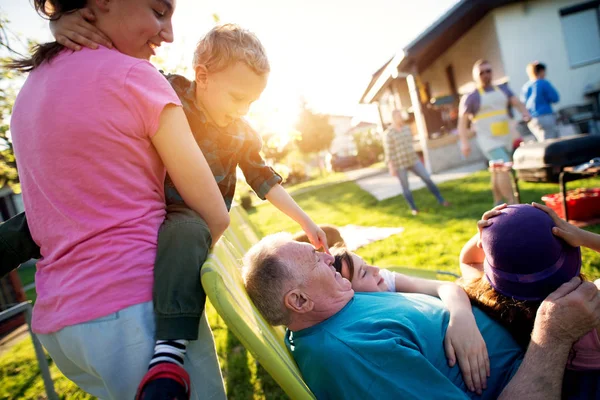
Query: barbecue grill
{"type": "Point", "coordinates": [544, 161]}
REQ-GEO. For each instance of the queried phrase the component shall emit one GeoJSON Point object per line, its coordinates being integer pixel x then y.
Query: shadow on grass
{"type": "Point", "coordinates": [33, 375]}
{"type": "Point", "coordinates": [239, 376]}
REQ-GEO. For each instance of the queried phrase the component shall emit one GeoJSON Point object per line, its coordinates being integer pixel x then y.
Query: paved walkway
{"type": "Point", "coordinates": [348, 176]}
{"type": "Point", "coordinates": [383, 186]}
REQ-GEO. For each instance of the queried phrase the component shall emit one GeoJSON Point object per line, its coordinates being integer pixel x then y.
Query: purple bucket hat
{"type": "Point", "coordinates": [524, 259]}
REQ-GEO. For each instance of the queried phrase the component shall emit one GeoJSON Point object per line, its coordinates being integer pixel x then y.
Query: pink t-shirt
{"type": "Point", "coordinates": [92, 181]}
{"type": "Point", "coordinates": [585, 354]}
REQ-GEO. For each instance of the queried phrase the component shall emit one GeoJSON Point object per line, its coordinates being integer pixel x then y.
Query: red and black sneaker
{"type": "Point", "coordinates": [165, 381]}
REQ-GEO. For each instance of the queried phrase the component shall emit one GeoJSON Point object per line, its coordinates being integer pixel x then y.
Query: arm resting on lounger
{"type": "Point", "coordinates": [16, 244]}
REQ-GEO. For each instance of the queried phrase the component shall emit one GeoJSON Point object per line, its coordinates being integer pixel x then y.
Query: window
{"type": "Point", "coordinates": [581, 29]}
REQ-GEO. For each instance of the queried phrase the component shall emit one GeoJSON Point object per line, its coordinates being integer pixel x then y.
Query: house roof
{"type": "Point", "coordinates": [374, 77]}
{"type": "Point", "coordinates": [432, 42]}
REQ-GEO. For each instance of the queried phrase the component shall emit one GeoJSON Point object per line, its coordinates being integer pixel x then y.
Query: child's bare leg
{"type": "Point", "coordinates": [505, 187]}
{"type": "Point", "coordinates": [495, 190]}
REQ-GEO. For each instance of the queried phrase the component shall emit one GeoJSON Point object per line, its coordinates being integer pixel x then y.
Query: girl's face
{"type": "Point", "coordinates": [136, 27]}
{"type": "Point", "coordinates": [366, 277]}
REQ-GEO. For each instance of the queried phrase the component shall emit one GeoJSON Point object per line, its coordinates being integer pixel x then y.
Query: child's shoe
{"type": "Point", "coordinates": [165, 381]}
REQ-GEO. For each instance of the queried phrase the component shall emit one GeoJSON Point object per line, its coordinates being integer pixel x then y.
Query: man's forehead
{"type": "Point", "coordinates": [297, 251]}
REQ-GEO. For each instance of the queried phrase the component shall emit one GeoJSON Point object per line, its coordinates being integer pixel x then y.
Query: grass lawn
{"type": "Point", "coordinates": [432, 240]}
{"type": "Point", "coordinates": [26, 274]}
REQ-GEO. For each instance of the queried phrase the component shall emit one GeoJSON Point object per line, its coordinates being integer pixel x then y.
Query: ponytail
{"type": "Point", "coordinates": [51, 10]}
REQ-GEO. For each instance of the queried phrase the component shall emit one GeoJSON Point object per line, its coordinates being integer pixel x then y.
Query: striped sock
{"type": "Point", "coordinates": [168, 351]}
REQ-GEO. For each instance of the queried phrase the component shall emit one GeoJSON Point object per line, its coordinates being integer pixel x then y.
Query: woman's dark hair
{"type": "Point", "coordinates": [341, 254]}
{"type": "Point", "coordinates": [52, 10]}
{"type": "Point", "coordinates": [517, 316]}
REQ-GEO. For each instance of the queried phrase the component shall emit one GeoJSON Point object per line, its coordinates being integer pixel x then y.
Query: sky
{"type": "Point", "coordinates": [322, 51]}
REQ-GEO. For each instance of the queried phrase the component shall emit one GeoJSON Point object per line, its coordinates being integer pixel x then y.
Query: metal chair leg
{"type": "Point", "coordinates": [25, 308]}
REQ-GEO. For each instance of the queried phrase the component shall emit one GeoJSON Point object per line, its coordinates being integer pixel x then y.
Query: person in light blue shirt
{"type": "Point", "coordinates": [538, 95]}
{"type": "Point", "coordinates": [390, 345]}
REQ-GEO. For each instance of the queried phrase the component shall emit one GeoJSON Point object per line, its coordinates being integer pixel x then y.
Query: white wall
{"type": "Point", "coordinates": [341, 143]}
{"type": "Point", "coordinates": [340, 124]}
{"type": "Point", "coordinates": [479, 42]}
{"type": "Point", "coordinates": [533, 31]}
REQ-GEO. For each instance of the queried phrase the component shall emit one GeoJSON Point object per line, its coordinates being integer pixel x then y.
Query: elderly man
{"type": "Point", "coordinates": [390, 345]}
{"type": "Point", "coordinates": [487, 108]}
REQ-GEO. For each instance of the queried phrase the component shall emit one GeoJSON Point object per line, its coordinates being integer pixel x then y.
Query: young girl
{"type": "Point", "coordinates": [514, 262]}
{"type": "Point", "coordinates": [463, 341]}
{"type": "Point", "coordinates": [93, 133]}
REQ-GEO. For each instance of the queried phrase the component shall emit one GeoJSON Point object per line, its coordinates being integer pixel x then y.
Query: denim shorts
{"type": "Point", "coordinates": [498, 153]}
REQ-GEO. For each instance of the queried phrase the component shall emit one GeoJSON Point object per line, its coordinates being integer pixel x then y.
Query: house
{"type": "Point", "coordinates": [342, 143]}
{"type": "Point", "coordinates": [427, 78]}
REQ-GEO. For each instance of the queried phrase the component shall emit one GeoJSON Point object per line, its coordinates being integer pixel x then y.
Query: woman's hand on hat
{"type": "Point", "coordinates": [76, 29]}
{"type": "Point", "coordinates": [484, 222]}
{"type": "Point", "coordinates": [564, 230]}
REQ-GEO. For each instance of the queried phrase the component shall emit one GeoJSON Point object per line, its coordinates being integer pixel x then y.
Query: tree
{"type": "Point", "coordinates": [369, 146]}
{"type": "Point", "coordinates": [276, 147]}
{"type": "Point", "coordinates": [316, 134]}
{"type": "Point", "coordinates": [8, 164]}
{"type": "Point", "coordinates": [9, 81]}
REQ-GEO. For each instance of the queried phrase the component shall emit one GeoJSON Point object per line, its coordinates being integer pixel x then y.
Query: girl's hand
{"type": "Point", "coordinates": [316, 236]}
{"type": "Point", "coordinates": [485, 220]}
{"type": "Point", "coordinates": [76, 29]}
{"type": "Point", "coordinates": [564, 230]}
{"type": "Point", "coordinates": [464, 343]}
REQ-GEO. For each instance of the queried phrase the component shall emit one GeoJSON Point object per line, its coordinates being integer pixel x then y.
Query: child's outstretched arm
{"type": "Point", "coordinates": [266, 184]}
{"type": "Point", "coordinates": [284, 202]}
{"type": "Point", "coordinates": [571, 234]}
{"type": "Point", "coordinates": [463, 341]}
{"type": "Point", "coordinates": [76, 29]}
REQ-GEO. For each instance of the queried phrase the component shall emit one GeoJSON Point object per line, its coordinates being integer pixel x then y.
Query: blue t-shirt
{"type": "Point", "coordinates": [538, 96]}
{"type": "Point", "coordinates": [390, 346]}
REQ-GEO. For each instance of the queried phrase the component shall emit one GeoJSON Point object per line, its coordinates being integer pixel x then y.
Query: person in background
{"type": "Point", "coordinates": [538, 95]}
{"type": "Point", "coordinates": [487, 108]}
{"type": "Point", "coordinates": [401, 157]}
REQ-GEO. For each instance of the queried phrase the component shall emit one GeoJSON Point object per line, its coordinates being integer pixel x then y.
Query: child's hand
{"type": "Point", "coordinates": [564, 230]}
{"type": "Point", "coordinates": [75, 29]}
{"type": "Point", "coordinates": [316, 236]}
{"type": "Point", "coordinates": [485, 220]}
{"type": "Point", "coordinates": [463, 342]}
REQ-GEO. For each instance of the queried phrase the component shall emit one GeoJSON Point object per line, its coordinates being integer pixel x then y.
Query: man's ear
{"type": "Point", "coordinates": [201, 76]}
{"type": "Point", "coordinates": [298, 302]}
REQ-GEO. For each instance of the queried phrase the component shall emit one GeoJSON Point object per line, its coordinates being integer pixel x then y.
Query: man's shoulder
{"type": "Point", "coordinates": [505, 89]}
{"type": "Point", "coordinates": [471, 96]}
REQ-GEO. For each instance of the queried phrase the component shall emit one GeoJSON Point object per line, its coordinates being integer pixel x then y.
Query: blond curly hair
{"type": "Point", "coordinates": [226, 44]}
